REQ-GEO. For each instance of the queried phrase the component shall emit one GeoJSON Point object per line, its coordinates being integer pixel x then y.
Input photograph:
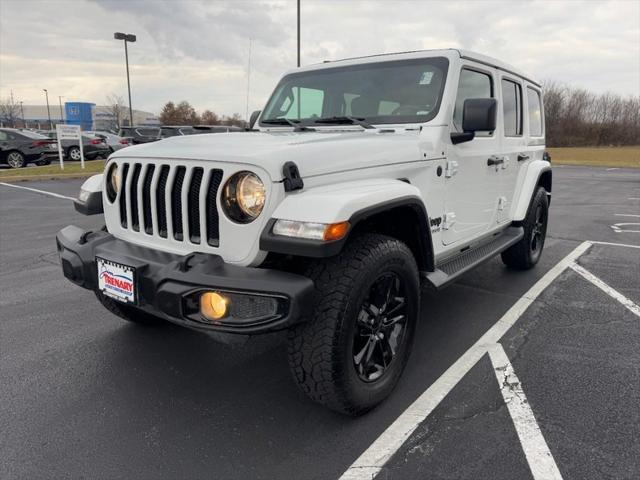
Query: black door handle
{"type": "Point", "coordinates": [495, 161]}
{"type": "Point", "coordinates": [522, 157]}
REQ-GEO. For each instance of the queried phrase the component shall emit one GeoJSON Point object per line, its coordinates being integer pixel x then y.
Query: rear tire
{"type": "Point", "coordinates": [351, 353]}
{"type": "Point", "coordinates": [526, 253]}
{"type": "Point", "coordinates": [127, 313]}
{"type": "Point", "coordinates": [73, 153]}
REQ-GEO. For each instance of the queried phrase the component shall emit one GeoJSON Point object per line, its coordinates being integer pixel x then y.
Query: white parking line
{"type": "Point", "coordinates": [632, 307]}
{"type": "Point", "coordinates": [613, 244]}
{"type": "Point", "coordinates": [44, 192]}
{"type": "Point", "coordinates": [541, 462]}
{"type": "Point", "coordinates": [369, 464]}
{"type": "Point", "coordinates": [625, 215]}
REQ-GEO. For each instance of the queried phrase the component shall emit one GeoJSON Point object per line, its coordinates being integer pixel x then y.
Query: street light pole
{"type": "Point", "coordinates": [24, 123]}
{"type": "Point", "coordinates": [127, 37]}
{"type": "Point", "coordinates": [48, 111]}
{"type": "Point", "coordinates": [298, 33]}
{"type": "Point", "coordinates": [61, 114]}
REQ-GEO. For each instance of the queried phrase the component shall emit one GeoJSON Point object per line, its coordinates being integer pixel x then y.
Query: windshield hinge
{"type": "Point", "coordinates": [292, 179]}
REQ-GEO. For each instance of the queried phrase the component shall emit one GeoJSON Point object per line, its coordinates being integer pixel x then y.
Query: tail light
{"type": "Point", "coordinates": [96, 141]}
{"type": "Point", "coordinates": [124, 141]}
{"type": "Point", "coordinates": [40, 143]}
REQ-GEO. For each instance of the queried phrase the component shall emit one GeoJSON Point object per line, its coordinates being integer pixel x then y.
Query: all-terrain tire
{"type": "Point", "coordinates": [128, 313]}
{"type": "Point", "coordinates": [321, 350]}
{"type": "Point", "coordinates": [526, 253]}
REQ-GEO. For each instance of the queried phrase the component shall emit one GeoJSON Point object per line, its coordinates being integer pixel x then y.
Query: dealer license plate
{"type": "Point", "coordinates": [117, 280]}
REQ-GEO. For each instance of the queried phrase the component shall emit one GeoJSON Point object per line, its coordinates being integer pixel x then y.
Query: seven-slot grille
{"type": "Point", "coordinates": [169, 200]}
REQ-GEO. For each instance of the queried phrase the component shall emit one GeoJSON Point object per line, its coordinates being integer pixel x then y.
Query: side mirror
{"type": "Point", "coordinates": [254, 118]}
{"type": "Point", "coordinates": [478, 115]}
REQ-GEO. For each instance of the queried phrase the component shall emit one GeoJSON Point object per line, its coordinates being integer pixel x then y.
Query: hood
{"type": "Point", "coordinates": [315, 153]}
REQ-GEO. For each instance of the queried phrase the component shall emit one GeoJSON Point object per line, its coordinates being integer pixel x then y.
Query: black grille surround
{"type": "Point", "coordinates": [166, 186]}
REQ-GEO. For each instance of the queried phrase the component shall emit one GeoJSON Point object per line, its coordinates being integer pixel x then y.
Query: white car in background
{"type": "Point", "coordinates": [115, 142]}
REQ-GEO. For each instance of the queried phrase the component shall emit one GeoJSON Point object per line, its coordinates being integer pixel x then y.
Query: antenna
{"type": "Point", "coordinates": [246, 116]}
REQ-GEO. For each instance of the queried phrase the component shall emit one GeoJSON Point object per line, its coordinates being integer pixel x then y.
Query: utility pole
{"type": "Point", "coordinates": [24, 123]}
{"type": "Point", "coordinates": [61, 114]}
{"type": "Point", "coordinates": [298, 33]}
{"type": "Point", "coordinates": [127, 37]}
{"type": "Point", "coordinates": [48, 111]}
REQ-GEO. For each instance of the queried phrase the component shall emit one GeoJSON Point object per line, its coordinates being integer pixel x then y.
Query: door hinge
{"type": "Point", "coordinates": [448, 220]}
{"type": "Point", "coordinates": [451, 169]}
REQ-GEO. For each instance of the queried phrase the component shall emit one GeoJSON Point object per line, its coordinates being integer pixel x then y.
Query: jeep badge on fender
{"type": "Point", "coordinates": [361, 181]}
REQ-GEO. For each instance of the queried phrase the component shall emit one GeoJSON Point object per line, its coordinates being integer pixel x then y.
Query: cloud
{"type": "Point", "coordinates": [197, 50]}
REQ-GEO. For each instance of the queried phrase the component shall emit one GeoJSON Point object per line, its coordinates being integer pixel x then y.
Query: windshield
{"type": "Point", "coordinates": [403, 91]}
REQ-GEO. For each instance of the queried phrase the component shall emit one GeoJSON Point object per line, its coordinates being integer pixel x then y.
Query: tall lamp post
{"type": "Point", "coordinates": [61, 114]}
{"type": "Point", "coordinates": [24, 124]}
{"type": "Point", "coordinates": [127, 37]}
{"type": "Point", "coordinates": [48, 111]}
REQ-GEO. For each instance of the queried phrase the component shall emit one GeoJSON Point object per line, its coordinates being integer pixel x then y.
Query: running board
{"type": "Point", "coordinates": [454, 267]}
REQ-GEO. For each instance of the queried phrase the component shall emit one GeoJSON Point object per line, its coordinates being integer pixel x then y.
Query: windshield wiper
{"type": "Point", "coordinates": [285, 121]}
{"type": "Point", "coordinates": [344, 120]}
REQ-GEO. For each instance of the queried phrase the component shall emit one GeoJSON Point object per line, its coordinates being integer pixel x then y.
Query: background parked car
{"type": "Point", "coordinates": [20, 147]}
{"type": "Point", "coordinates": [93, 147]}
{"type": "Point", "coordinates": [217, 128]}
{"type": "Point", "coordinates": [115, 142]}
{"type": "Point", "coordinates": [140, 134]}
{"type": "Point", "coordinates": [174, 131]}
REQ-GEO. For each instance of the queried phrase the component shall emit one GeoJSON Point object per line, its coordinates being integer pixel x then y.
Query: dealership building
{"type": "Point", "coordinates": [88, 115]}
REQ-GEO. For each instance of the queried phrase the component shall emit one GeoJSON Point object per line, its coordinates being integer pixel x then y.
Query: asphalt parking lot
{"type": "Point", "coordinates": [85, 395]}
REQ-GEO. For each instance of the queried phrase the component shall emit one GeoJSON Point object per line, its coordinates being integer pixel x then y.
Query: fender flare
{"type": "Point", "coordinates": [362, 201]}
{"type": "Point", "coordinates": [535, 172]}
{"type": "Point", "coordinates": [89, 201]}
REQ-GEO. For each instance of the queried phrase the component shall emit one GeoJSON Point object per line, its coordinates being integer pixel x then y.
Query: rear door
{"type": "Point", "coordinates": [513, 143]}
{"type": "Point", "coordinates": [471, 186]}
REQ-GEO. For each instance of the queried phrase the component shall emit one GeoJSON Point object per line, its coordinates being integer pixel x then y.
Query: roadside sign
{"type": "Point", "coordinates": [69, 132]}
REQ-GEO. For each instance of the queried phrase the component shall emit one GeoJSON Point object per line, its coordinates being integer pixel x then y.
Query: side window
{"type": "Point", "coordinates": [512, 108]}
{"type": "Point", "coordinates": [3, 136]}
{"type": "Point", "coordinates": [535, 112]}
{"type": "Point", "coordinates": [472, 84]}
{"type": "Point", "coordinates": [306, 103]}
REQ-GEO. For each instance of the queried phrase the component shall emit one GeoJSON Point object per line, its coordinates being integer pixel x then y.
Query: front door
{"type": "Point", "coordinates": [471, 184]}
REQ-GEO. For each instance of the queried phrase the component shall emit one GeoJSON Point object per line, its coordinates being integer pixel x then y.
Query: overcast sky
{"type": "Point", "coordinates": [198, 50]}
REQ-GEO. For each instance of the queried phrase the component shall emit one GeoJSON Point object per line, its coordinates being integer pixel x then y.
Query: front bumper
{"type": "Point", "coordinates": [167, 283]}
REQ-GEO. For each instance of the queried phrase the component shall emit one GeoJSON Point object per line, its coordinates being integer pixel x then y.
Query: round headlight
{"type": "Point", "coordinates": [113, 182]}
{"type": "Point", "coordinates": [243, 197]}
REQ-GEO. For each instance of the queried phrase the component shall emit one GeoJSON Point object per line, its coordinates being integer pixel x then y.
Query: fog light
{"type": "Point", "coordinates": [213, 306]}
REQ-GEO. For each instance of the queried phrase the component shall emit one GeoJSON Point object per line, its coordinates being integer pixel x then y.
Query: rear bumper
{"type": "Point", "coordinates": [167, 284]}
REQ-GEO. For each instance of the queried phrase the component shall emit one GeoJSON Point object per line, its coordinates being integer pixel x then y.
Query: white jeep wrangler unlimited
{"type": "Point", "coordinates": [360, 180]}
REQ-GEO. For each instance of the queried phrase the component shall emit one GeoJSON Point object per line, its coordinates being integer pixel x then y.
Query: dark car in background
{"type": "Point", "coordinates": [92, 146]}
{"type": "Point", "coordinates": [20, 147]}
{"type": "Point", "coordinates": [140, 134]}
{"type": "Point", "coordinates": [167, 131]}
{"type": "Point", "coordinates": [217, 128]}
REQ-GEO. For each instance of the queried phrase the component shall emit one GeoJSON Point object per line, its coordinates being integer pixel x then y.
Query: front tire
{"type": "Point", "coordinates": [526, 253]}
{"type": "Point", "coordinates": [351, 353]}
{"type": "Point", "coordinates": [128, 313]}
{"type": "Point", "coordinates": [16, 159]}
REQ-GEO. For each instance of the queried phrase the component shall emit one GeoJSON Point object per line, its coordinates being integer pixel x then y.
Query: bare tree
{"type": "Point", "coordinates": [117, 109]}
{"type": "Point", "coordinates": [10, 111]}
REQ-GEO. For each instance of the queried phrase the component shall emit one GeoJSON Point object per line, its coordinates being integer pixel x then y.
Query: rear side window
{"type": "Point", "coordinates": [535, 112]}
{"type": "Point", "coordinates": [3, 136]}
{"type": "Point", "coordinates": [472, 84]}
{"type": "Point", "coordinates": [512, 108]}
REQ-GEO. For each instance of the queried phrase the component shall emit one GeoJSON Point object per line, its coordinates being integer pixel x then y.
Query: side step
{"type": "Point", "coordinates": [454, 267]}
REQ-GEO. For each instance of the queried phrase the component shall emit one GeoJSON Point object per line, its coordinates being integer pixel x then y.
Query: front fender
{"type": "Point", "coordinates": [355, 202]}
{"type": "Point", "coordinates": [534, 174]}
{"type": "Point", "coordinates": [89, 201]}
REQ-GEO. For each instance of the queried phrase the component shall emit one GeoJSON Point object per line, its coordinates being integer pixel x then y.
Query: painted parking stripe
{"type": "Point", "coordinates": [539, 457]}
{"type": "Point", "coordinates": [44, 192]}
{"type": "Point", "coordinates": [369, 464]}
{"type": "Point", "coordinates": [614, 244]}
{"type": "Point", "coordinates": [626, 215]}
{"type": "Point", "coordinates": [626, 302]}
